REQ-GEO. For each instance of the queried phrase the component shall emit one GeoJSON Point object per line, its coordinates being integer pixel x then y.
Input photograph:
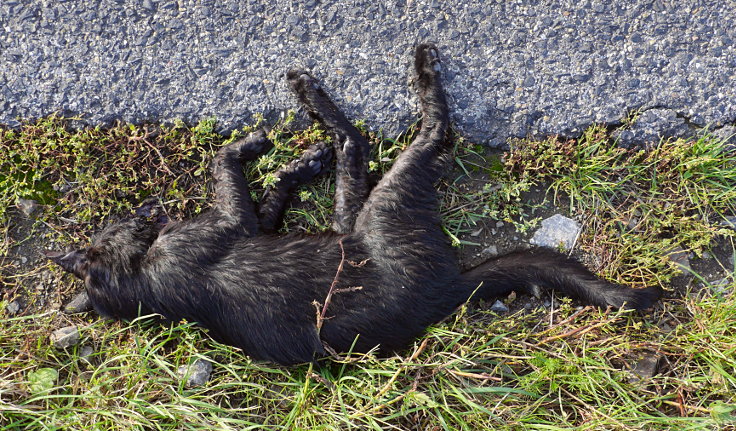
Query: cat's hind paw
{"type": "Point", "coordinates": [315, 160]}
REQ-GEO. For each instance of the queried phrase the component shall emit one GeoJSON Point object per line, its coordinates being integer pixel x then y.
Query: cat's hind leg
{"type": "Point", "coordinates": [400, 222]}
{"type": "Point", "coordinates": [406, 194]}
{"type": "Point", "coordinates": [232, 198]}
{"type": "Point", "coordinates": [351, 149]}
{"type": "Point", "coordinates": [315, 160]}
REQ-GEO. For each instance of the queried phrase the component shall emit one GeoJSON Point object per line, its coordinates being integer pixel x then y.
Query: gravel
{"type": "Point", "coordinates": [513, 68]}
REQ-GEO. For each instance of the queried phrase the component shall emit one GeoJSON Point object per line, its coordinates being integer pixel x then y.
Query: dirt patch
{"type": "Point", "coordinates": [29, 283]}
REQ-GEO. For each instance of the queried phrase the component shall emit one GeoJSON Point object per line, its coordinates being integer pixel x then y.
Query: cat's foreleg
{"type": "Point", "coordinates": [313, 161]}
{"type": "Point", "coordinates": [232, 197]}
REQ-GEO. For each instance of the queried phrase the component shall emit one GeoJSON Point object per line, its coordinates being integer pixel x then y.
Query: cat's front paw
{"type": "Point", "coordinates": [302, 81]}
{"type": "Point", "coordinates": [253, 145]}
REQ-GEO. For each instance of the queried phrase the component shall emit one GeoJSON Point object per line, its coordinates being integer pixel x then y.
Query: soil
{"type": "Point", "coordinates": [27, 279]}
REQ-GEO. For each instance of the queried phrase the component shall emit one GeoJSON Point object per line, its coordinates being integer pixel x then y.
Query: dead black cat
{"type": "Point", "coordinates": [383, 274]}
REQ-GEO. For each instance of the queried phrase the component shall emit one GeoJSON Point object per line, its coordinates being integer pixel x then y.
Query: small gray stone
{"type": "Point", "coordinates": [85, 352]}
{"type": "Point", "coordinates": [490, 251]}
{"type": "Point", "coordinates": [12, 307]}
{"type": "Point", "coordinates": [197, 373]}
{"type": "Point", "coordinates": [557, 231]}
{"type": "Point", "coordinates": [721, 287]}
{"type": "Point", "coordinates": [729, 222]}
{"type": "Point", "coordinates": [645, 368]}
{"type": "Point", "coordinates": [79, 304]}
{"type": "Point", "coordinates": [499, 307]}
{"type": "Point", "coordinates": [65, 337]}
{"type": "Point", "coordinates": [28, 207]}
{"type": "Point", "coordinates": [148, 5]}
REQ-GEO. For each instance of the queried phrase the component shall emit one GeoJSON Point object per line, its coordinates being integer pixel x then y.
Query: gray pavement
{"type": "Point", "coordinates": [513, 68]}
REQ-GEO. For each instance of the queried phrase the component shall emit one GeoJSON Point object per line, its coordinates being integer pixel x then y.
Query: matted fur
{"type": "Point", "coordinates": [258, 291]}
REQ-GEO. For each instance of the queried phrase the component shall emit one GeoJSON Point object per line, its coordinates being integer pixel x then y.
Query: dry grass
{"type": "Point", "coordinates": [556, 367]}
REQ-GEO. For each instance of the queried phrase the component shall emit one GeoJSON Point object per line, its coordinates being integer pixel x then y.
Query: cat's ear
{"type": "Point", "coordinates": [75, 262]}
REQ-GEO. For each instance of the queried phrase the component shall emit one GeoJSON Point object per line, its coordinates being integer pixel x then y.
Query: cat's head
{"type": "Point", "coordinates": [118, 247]}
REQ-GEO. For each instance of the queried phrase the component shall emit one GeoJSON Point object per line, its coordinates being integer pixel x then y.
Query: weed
{"type": "Point", "coordinates": [642, 204]}
{"type": "Point", "coordinates": [550, 368]}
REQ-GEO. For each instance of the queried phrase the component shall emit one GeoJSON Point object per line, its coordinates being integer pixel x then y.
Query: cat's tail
{"type": "Point", "coordinates": [527, 271]}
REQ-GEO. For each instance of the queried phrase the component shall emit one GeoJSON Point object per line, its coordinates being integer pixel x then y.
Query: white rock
{"type": "Point", "coordinates": [557, 231]}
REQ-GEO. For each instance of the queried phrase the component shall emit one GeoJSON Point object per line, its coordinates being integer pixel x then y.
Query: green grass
{"type": "Point", "coordinates": [551, 368]}
{"type": "Point", "coordinates": [638, 204]}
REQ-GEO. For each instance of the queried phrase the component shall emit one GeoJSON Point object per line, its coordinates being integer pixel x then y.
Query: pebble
{"type": "Point", "coordinates": [499, 307]}
{"type": "Point", "coordinates": [722, 287]}
{"type": "Point", "coordinates": [729, 221]}
{"type": "Point", "coordinates": [557, 231]}
{"type": "Point", "coordinates": [65, 337]}
{"type": "Point", "coordinates": [645, 368]}
{"type": "Point", "coordinates": [490, 251]}
{"type": "Point", "coordinates": [79, 304]}
{"type": "Point", "coordinates": [198, 372]}
{"type": "Point", "coordinates": [85, 352]}
{"type": "Point", "coordinates": [12, 308]}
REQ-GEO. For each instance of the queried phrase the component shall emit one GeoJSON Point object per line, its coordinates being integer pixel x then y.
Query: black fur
{"type": "Point", "coordinates": [261, 292]}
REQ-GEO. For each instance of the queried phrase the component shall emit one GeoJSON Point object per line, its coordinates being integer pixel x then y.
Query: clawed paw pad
{"type": "Point", "coordinates": [312, 163]}
{"type": "Point", "coordinates": [428, 59]}
{"type": "Point", "coordinates": [252, 146]}
{"type": "Point", "coordinates": [301, 79]}
{"type": "Point", "coordinates": [317, 158]}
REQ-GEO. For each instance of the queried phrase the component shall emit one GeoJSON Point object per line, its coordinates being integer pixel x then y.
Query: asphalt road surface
{"type": "Point", "coordinates": [513, 68]}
